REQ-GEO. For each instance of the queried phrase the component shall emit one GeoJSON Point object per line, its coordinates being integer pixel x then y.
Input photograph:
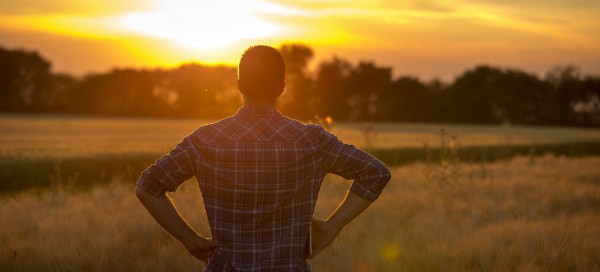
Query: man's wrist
{"type": "Point", "coordinates": [191, 240]}
{"type": "Point", "coordinates": [334, 225]}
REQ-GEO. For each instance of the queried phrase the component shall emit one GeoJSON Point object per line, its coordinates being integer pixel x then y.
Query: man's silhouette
{"type": "Point", "coordinates": [260, 173]}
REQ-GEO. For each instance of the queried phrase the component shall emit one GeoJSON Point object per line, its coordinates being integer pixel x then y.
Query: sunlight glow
{"type": "Point", "coordinates": [67, 25]}
{"type": "Point", "coordinates": [202, 25]}
{"type": "Point", "coordinates": [409, 35]}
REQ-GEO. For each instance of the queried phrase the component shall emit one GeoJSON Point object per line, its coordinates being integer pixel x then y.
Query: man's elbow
{"type": "Point", "coordinates": [140, 192]}
{"type": "Point", "coordinates": [387, 174]}
{"type": "Point", "coordinates": [143, 194]}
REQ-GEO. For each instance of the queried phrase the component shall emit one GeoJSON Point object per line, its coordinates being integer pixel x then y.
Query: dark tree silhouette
{"type": "Point", "coordinates": [203, 91]}
{"type": "Point", "coordinates": [492, 95]}
{"type": "Point", "coordinates": [26, 84]}
{"type": "Point", "coordinates": [298, 99]}
{"type": "Point", "coordinates": [119, 92]}
{"type": "Point", "coordinates": [571, 98]}
{"type": "Point", "coordinates": [331, 85]}
{"type": "Point", "coordinates": [366, 83]}
{"type": "Point", "coordinates": [337, 88]}
{"type": "Point", "coordinates": [408, 99]}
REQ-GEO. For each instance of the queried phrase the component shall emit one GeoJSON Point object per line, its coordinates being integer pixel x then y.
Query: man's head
{"type": "Point", "coordinates": [261, 73]}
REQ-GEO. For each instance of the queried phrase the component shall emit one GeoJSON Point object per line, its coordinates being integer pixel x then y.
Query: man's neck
{"type": "Point", "coordinates": [259, 103]}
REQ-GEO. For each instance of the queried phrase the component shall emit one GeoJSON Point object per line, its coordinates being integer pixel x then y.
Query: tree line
{"type": "Point", "coordinates": [363, 91]}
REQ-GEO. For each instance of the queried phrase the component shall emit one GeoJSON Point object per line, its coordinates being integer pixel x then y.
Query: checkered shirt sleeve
{"type": "Point", "coordinates": [370, 175]}
{"type": "Point", "coordinates": [172, 169]}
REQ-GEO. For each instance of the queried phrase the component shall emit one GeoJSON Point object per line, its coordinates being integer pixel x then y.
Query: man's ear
{"type": "Point", "coordinates": [241, 85]}
{"type": "Point", "coordinates": [281, 88]}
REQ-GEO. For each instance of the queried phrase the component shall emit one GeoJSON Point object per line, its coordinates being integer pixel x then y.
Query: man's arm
{"type": "Point", "coordinates": [324, 232]}
{"type": "Point", "coordinates": [165, 213]}
{"type": "Point", "coordinates": [370, 177]}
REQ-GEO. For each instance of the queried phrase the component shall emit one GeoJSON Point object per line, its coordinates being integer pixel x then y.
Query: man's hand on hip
{"type": "Point", "coordinates": [323, 234]}
{"type": "Point", "coordinates": [201, 248]}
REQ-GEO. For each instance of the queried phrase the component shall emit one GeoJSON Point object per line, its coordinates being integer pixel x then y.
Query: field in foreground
{"type": "Point", "coordinates": [525, 214]}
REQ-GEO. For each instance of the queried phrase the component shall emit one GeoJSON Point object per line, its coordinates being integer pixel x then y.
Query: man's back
{"type": "Point", "coordinates": [260, 173]}
{"type": "Point", "coordinates": [259, 184]}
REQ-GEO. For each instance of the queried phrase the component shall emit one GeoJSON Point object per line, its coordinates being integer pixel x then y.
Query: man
{"type": "Point", "coordinates": [260, 173]}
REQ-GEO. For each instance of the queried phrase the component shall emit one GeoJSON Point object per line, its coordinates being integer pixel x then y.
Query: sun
{"type": "Point", "coordinates": [206, 24]}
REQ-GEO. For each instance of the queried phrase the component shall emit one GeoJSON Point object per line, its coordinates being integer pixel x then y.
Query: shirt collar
{"type": "Point", "coordinates": [258, 111]}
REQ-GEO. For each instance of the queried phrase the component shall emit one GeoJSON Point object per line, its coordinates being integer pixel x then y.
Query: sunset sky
{"type": "Point", "coordinates": [424, 38]}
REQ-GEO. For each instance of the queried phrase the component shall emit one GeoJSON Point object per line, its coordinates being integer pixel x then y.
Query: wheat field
{"type": "Point", "coordinates": [525, 214]}
{"type": "Point", "coordinates": [55, 137]}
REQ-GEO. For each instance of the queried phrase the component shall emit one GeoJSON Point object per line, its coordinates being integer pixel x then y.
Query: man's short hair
{"type": "Point", "coordinates": [261, 72]}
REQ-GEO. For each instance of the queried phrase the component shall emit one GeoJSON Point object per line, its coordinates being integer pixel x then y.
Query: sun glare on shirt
{"type": "Point", "coordinates": [206, 24]}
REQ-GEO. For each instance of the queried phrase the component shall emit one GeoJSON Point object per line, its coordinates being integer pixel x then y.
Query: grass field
{"type": "Point", "coordinates": [68, 203]}
{"type": "Point", "coordinates": [524, 214]}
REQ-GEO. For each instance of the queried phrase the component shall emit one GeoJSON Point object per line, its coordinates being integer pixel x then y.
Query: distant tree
{"type": "Point", "coordinates": [409, 99]}
{"type": "Point", "coordinates": [331, 88]}
{"type": "Point", "coordinates": [25, 81]}
{"type": "Point", "coordinates": [468, 98]}
{"type": "Point", "coordinates": [366, 83]}
{"type": "Point", "coordinates": [587, 107]}
{"type": "Point", "coordinates": [55, 98]}
{"type": "Point", "coordinates": [364, 92]}
{"type": "Point", "coordinates": [437, 87]}
{"type": "Point", "coordinates": [119, 92]}
{"type": "Point", "coordinates": [572, 100]}
{"type": "Point", "coordinates": [299, 99]}
{"type": "Point", "coordinates": [190, 90]}
{"type": "Point", "coordinates": [203, 91]}
{"type": "Point", "coordinates": [519, 98]}
{"type": "Point", "coordinates": [492, 95]}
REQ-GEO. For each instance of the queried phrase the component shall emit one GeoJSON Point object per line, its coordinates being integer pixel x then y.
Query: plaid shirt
{"type": "Point", "coordinates": [260, 174]}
